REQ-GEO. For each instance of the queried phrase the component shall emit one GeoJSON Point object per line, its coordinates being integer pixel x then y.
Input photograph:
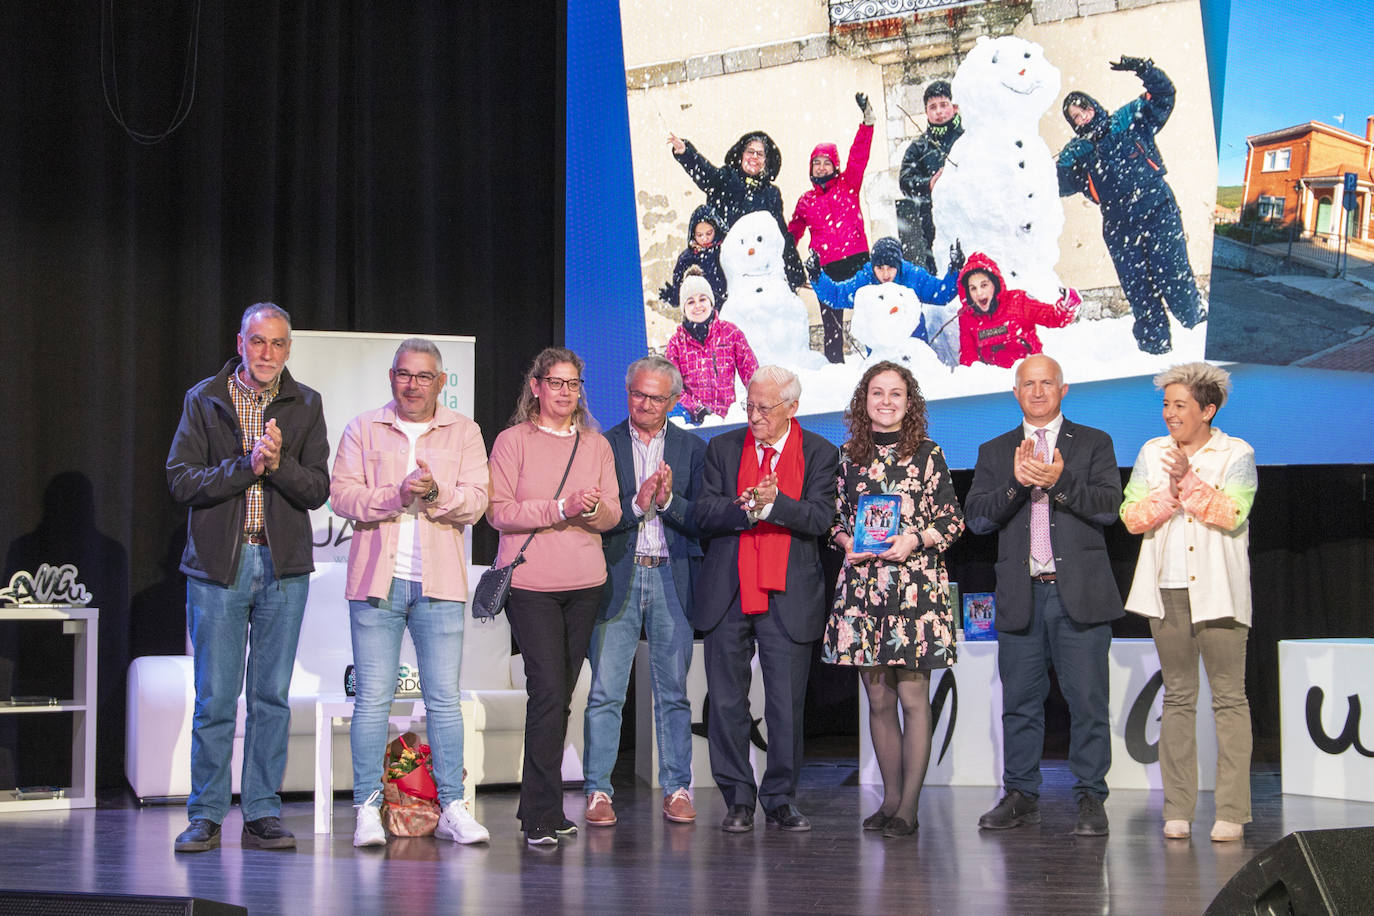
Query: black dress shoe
{"type": "Point", "coordinates": [200, 835]}
{"type": "Point", "coordinates": [1013, 810]}
{"type": "Point", "coordinates": [267, 833]}
{"type": "Point", "coordinates": [1092, 817]}
{"type": "Point", "coordinates": [739, 819]}
{"type": "Point", "coordinates": [788, 817]}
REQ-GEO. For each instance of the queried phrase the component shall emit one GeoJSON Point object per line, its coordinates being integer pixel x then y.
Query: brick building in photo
{"type": "Point", "coordinates": [1296, 175]}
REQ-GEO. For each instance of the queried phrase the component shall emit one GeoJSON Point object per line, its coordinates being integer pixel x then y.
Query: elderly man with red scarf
{"type": "Point", "coordinates": [768, 495]}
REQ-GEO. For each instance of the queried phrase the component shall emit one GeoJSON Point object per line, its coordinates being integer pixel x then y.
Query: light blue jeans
{"type": "Point", "coordinates": [258, 616]}
{"type": "Point", "coordinates": [436, 628]}
{"type": "Point", "coordinates": [651, 603]}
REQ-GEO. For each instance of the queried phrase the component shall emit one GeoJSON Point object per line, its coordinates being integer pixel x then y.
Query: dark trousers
{"type": "Point", "coordinates": [832, 320]}
{"type": "Point", "coordinates": [1078, 653]}
{"type": "Point", "coordinates": [1150, 253]}
{"type": "Point", "coordinates": [786, 666]}
{"type": "Point", "coordinates": [552, 630]}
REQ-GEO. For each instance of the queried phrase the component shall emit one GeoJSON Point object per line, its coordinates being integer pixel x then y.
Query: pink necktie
{"type": "Point", "coordinates": [1041, 551]}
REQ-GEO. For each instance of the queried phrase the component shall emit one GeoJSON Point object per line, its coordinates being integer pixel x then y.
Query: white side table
{"type": "Point", "coordinates": [337, 708]}
{"type": "Point", "coordinates": [83, 624]}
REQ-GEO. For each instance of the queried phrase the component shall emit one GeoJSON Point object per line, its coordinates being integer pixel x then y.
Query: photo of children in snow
{"type": "Point", "coordinates": [1008, 196]}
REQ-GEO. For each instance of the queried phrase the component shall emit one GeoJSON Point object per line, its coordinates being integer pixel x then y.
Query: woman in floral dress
{"type": "Point", "coordinates": [892, 618]}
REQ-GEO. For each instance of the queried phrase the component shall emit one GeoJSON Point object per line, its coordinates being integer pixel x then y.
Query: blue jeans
{"type": "Point", "coordinates": [1078, 653]}
{"type": "Point", "coordinates": [653, 603]}
{"type": "Point", "coordinates": [436, 628]}
{"type": "Point", "coordinates": [258, 616]}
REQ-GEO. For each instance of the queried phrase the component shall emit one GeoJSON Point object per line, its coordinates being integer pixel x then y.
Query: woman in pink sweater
{"type": "Point", "coordinates": [556, 590]}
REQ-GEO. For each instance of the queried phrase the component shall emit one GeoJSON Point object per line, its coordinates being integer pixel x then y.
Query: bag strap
{"type": "Point", "coordinates": [520, 554]}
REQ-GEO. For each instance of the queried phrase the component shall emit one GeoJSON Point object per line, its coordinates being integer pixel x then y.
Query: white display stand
{"type": "Point", "coordinates": [1132, 666]}
{"type": "Point", "coordinates": [335, 709]}
{"type": "Point", "coordinates": [646, 737]}
{"type": "Point", "coordinates": [1343, 671]}
{"type": "Point", "coordinates": [974, 757]}
{"type": "Point", "coordinates": [83, 624]}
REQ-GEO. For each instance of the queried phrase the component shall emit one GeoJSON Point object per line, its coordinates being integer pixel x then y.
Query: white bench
{"type": "Point", "coordinates": [161, 699]}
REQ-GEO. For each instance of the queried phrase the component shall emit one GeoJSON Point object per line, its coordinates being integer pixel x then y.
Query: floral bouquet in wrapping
{"type": "Point", "coordinates": [412, 800]}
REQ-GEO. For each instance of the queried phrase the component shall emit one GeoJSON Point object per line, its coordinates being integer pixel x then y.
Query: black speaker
{"type": "Point", "coordinates": [1309, 871]}
{"type": "Point", "coordinates": [40, 903]}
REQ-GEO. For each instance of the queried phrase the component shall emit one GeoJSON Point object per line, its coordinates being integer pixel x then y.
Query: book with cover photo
{"type": "Point", "coordinates": [980, 616]}
{"type": "Point", "coordinates": [876, 520]}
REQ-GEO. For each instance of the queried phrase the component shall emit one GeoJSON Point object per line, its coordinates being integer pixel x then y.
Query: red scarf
{"type": "Point", "coordinates": [763, 548]}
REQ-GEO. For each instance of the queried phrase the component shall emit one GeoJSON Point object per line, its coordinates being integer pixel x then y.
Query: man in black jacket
{"type": "Point", "coordinates": [249, 461]}
{"type": "Point", "coordinates": [921, 168]}
{"type": "Point", "coordinates": [1048, 488]}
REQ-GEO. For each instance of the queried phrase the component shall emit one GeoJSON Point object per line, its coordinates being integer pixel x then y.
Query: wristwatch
{"type": "Point", "coordinates": [432, 495]}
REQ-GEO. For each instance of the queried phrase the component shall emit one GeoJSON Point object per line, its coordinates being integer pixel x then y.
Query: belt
{"type": "Point", "coordinates": [256, 538]}
{"type": "Point", "coordinates": [642, 560]}
{"type": "Point", "coordinates": [1044, 577]}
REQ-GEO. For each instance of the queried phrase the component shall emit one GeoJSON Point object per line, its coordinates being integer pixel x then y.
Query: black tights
{"type": "Point", "coordinates": [903, 755]}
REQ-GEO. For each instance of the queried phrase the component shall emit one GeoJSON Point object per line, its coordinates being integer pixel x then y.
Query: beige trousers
{"type": "Point", "coordinates": [1221, 643]}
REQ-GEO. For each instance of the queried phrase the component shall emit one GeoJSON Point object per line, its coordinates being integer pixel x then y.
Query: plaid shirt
{"type": "Point", "coordinates": [250, 405]}
{"type": "Point", "coordinates": [708, 369]}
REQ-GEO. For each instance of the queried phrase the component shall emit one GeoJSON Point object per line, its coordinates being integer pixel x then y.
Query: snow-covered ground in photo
{"type": "Point", "coordinates": [1088, 351]}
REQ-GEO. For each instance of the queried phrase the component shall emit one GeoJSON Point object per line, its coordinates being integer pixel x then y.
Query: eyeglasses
{"type": "Point", "coordinates": [750, 408]}
{"type": "Point", "coordinates": [423, 379]}
{"type": "Point", "coordinates": [556, 383]}
{"type": "Point", "coordinates": [658, 400]}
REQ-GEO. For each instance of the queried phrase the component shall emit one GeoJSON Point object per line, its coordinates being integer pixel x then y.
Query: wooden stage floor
{"type": "Point", "coordinates": [646, 865]}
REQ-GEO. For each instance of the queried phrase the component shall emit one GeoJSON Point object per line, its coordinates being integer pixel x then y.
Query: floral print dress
{"type": "Point", "coordinates": [896, 613]}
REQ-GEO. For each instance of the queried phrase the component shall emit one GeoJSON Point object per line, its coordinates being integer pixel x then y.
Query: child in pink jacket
{"type": "Point", "coordinates": [709, 352]}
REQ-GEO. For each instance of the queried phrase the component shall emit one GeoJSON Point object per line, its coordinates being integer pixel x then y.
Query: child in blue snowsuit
{"type": "Point", "coordinates": [1115, 162]}
{"type": "Point", "coordinates": [886, 265]}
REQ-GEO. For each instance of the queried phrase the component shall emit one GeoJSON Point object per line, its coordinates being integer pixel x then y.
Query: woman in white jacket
{"type": "Point", "coordinates": [1190, 494]}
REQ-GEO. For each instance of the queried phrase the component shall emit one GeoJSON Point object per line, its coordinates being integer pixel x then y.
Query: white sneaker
{"type": "Point", "coordinates": [369, 830]}
{"type": "Point", "coordinates": [458, 824]}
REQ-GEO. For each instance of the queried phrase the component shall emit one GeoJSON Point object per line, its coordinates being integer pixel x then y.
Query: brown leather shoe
{"type": "Point", "coordinates": [599, 810]}
{"type": "Point", "coordinates": [678, 807]}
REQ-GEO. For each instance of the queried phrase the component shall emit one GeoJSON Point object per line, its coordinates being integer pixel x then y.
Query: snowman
{"type": "Point", "coordinates": [761, 304]}
{"type": "Point", "coordinates": [999, 192]}
{"type": "Point", "coordinates": [885, 315]}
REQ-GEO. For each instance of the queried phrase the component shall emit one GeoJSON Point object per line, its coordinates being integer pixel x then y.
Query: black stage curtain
{"type": "Point", "coordinates": [366, 166]}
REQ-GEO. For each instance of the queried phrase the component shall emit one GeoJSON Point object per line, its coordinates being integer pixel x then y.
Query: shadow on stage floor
{"type": "Point", "coordinates": [646, 865]}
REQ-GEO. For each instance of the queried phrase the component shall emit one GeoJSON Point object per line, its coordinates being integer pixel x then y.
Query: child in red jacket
{"type": "Point", "coordinates": [997, 325]}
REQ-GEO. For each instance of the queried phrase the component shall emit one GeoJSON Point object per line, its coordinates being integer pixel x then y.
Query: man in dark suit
{"type": "Point", "coordinates": [1049, 487]}
{"type": "Point", "coordinates": [767, 497]}
{"type": "Point", "coordinates": [650, 558]}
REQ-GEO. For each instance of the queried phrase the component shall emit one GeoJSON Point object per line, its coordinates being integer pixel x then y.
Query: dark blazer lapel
{"type": "Point", "coordinates": [623, 450]}
{"type": "Point", "coordinates": [1066, 439]}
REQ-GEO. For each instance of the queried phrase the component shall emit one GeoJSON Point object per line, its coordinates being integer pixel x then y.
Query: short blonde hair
{"type": "Point", "coordinates": [1207, 384]}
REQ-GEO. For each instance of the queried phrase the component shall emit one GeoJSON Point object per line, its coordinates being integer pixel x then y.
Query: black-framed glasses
{"type": "Point", "coordinates": [658, 400]}
{"type": "Point", "coordinates": [423, 379]}
{"type": "Point", "coordinates": [556, 383]}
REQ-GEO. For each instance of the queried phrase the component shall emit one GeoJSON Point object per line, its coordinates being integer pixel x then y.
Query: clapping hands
{"type": "Point", "coordinates": [1030, 471]}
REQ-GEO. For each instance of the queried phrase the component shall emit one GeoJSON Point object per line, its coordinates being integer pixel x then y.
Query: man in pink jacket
{"type": "Point", "coordinates": [410, 475]}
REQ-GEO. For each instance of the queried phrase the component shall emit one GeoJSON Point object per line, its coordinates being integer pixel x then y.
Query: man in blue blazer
{"type": "Point", "coordinates": [1049, 487]}
{"type": "Point", "coordinates": [767, 497]}
{"type": "Point", "coordinates": [650, 559]}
